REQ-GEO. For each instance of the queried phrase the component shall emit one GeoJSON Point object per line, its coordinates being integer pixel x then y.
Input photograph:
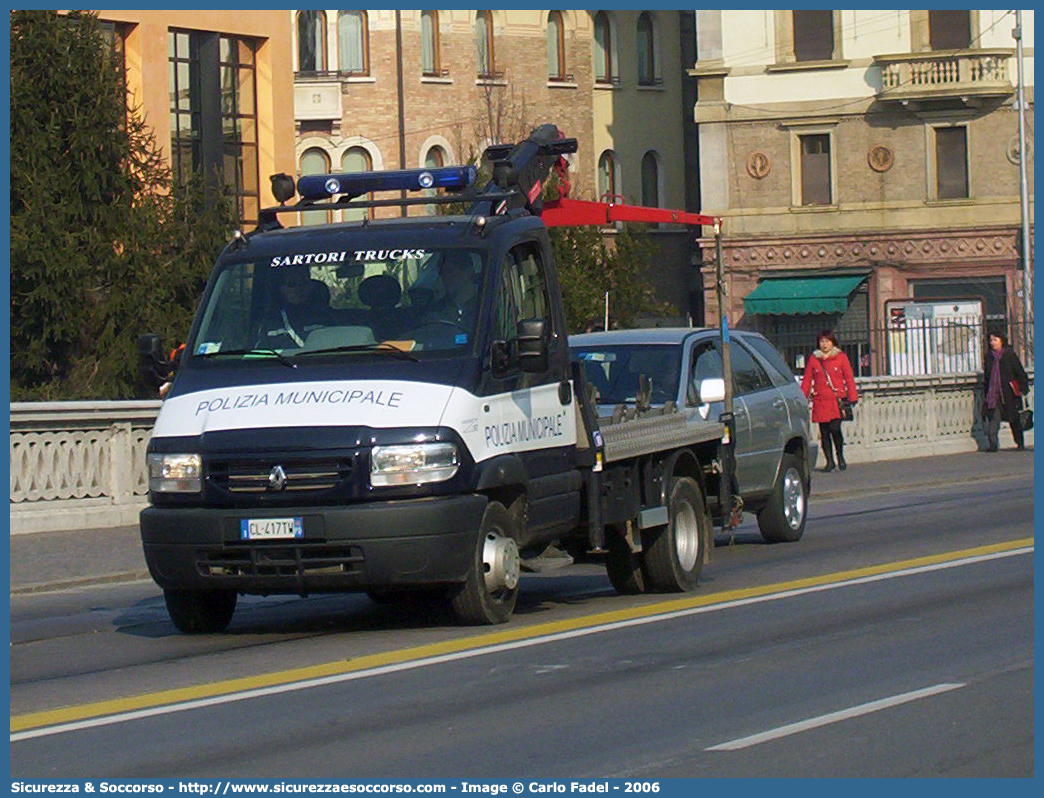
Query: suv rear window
{"type": "Point", "coordinates": [771, 355]}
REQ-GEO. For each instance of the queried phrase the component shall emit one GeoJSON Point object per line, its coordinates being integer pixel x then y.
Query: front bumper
{"type": "Point", "coordinates": [419, 542]}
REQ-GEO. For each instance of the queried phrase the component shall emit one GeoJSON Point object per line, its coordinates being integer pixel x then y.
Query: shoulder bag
{"type": "Point", "coordinates": [844, 407]}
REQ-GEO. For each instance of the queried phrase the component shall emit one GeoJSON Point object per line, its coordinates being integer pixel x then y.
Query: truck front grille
{"type": "Point", "coordinates": [301, 474]}
{"type": "Point", "coordinates": [279, 560]}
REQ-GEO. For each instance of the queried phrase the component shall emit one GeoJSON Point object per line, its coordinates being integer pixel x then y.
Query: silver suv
{"type": "Point", "coordinates": [774, 450]}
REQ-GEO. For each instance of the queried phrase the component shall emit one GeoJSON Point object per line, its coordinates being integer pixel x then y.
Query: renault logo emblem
{"type": "Point", "coordinates": [277, 478]}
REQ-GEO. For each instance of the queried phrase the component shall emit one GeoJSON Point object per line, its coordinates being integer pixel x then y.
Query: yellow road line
{"type": "Point", "coordinates": [97, 709]}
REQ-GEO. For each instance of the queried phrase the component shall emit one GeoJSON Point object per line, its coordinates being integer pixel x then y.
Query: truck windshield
{"type": "Point", "coordinates": [614, 371]}
{"type": "Point", "coordinates": [408, 299]}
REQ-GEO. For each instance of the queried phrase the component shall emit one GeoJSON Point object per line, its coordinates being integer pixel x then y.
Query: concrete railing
{"type": "Point", "coordinates": [78, 464]}
{"type": "Point", "coordinates": [81, 465]}
{"type": "Point", "coordinates": [899, 417]}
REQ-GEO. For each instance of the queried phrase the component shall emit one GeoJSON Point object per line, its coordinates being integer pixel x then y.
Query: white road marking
{"type": "Point", "coordinates": [834, 717]}
{"type": "Point", "coordinates": [123, 717]}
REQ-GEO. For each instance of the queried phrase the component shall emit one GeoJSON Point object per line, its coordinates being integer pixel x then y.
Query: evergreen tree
{"type": "Point", "coordinates": [104, 244]}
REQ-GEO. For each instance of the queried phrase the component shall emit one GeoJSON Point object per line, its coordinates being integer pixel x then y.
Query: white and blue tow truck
{"type": "Point", "coordinates": [390, 406]}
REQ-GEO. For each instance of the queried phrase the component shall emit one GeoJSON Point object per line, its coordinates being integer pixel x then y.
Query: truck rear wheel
{"type": "Point", "coordinates": [200, 611]}
{"type": "Point", "coordinates": [782, 520]}
{"type": "Point", "coordinates": [674, 553]}
{"type": "Point", "coordinates": [489, 593]}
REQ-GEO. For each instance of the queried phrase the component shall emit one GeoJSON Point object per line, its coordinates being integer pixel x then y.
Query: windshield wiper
{"type": "Point", "coordinates": [379, 347]}
{"type": "Point", "coordinates": [277, 355]}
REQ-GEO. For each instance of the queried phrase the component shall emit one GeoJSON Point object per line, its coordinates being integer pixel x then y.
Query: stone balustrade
{"type": "Point", "coordinates": [81, 465]}
{"type": "Point", "coordinates": [916, 76]}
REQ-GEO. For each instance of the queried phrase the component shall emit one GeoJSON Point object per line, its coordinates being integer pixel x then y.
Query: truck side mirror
{"type": "Point", "coordinates": [712, 390]}
{"type": "Point", "coordinates": [532, 345]}
{"type": "Point", "coordinates": [153, 366]}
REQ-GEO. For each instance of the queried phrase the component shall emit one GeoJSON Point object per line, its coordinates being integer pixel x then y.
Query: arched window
{"type": "Point", "coordinates": [555, 46]}
{"type": "Point", "coordinates": [436, 157]}
{"type": "Point", "coordinates": [603, 49]}
{"type": "Point", "coordinates": [311, 41]}
{"type": "Point", "coordinates": [314, 161]}
{"type": "Point", "coordinates": [353, 43]}
{"type": "Point", "coordinates": [430, 43]}
{"type": "Point", "coordinates": [646, 50]}
{"type": "Point", "coordinates": [607, 176]}
{"type": "Point", "coordinates": [357, 159]}
{"type": "Point", "coordinates": [650, 180]}
{"type": "Point", "coordinates": [433, 159]}
{"type": "Point", "coordinates": [484, 43]}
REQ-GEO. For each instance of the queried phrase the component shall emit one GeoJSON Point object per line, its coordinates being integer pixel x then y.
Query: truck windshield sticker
{"type": "Point", "coordinates": [369, 255]}
{"type": "Point", "coordinates": [207, 347]}
{"type": "Point", "coordinates": [598, 357]}
{"type": "Point", "coordinates": [390, 254]}
{"type": "Point", "coordinates": [309, 259]}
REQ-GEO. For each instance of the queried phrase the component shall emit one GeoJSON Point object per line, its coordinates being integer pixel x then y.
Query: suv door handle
{"type": "Point", "coordinates": [779, 403]}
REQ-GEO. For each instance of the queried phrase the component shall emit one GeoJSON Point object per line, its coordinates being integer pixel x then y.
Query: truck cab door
{"type": "Point", "coordinates": [535, 399]}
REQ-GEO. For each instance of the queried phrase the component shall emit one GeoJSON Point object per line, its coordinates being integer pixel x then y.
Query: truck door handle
{"type": "Point", "coordinates": [779, 403]}
{"type": "Point", "coordinates": [565, 392]}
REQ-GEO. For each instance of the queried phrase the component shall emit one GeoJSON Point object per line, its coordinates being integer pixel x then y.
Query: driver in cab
{"type": "Point", "coordinates": [459, 303]}
{"type": "Point", "coordinates": [300, 305]}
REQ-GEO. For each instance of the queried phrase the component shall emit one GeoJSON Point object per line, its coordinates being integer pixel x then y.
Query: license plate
{"type": "Point", "coordinates": [271, 528]}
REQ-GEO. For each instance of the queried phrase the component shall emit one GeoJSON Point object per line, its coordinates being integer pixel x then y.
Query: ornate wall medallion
{"type": "Point", "coordinates": [758, 165]}
{"type": "Point", "coordinates": [880, 158]}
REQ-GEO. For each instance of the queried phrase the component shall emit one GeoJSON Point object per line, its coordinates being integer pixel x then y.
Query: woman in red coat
{"type": "Point", "coordinates": [828, 377]}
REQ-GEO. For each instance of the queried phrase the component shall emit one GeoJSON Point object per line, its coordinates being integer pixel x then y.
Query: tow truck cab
{"type": "Point", "coordinates": [356, 444]}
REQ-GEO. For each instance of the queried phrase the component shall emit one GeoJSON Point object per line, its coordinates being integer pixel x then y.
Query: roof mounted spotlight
{"type": "Point", "coordinates": [282, 187]}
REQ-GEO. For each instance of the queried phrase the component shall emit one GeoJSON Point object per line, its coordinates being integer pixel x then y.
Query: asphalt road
{"type": "Point", "coordinates": [821, 658]}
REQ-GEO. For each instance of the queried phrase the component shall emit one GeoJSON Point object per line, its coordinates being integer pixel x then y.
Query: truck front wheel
{"type": "Point", "coordinates": [200, 611]}
{"type": "Point", "coordinates": [489, 593]}
{"type": "Point", "coordinates": [674, 553]}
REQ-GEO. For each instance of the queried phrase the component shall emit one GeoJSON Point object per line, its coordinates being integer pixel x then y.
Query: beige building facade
{"type": "Point", "coordinates": [612, 79]}
{"type": "Point", "coordinates": [874, 144]}
{"type": "Point", "coordinates": [216, 87]}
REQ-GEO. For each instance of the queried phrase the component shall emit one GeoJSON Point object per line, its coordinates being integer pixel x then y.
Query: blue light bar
{"type": "Point", "coordinates": [316, 187]}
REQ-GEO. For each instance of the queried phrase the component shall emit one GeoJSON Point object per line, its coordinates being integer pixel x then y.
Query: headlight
{"type": "Point", "coordinates": [175, 473]}
{"type": "Point", "coordinates": [414, 464]}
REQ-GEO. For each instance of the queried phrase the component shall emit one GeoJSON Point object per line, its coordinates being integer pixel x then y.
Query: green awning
{"type": "Point", "coordinates": [780, 296]}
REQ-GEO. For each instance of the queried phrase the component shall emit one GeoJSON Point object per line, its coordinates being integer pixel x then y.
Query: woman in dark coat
{"type": "Point", "coordinates": [828, 377]}
{"type": "Point", "coordinates": [1002, 374]}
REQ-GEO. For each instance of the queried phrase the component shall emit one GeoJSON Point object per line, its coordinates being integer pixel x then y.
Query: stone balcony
{"type": "Point", "coordinates": [945, 75]}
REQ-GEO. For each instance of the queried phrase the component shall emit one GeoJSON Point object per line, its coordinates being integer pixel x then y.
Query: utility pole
{"type": "Point", "coordinates": [728, 471]}
{"type": "Point", "coordinates": [402, 109]}
{"type": "Point", "coordinates": [1027, 266]}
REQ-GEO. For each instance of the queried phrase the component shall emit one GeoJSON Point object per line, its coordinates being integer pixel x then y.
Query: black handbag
{"type": "Point", "coordinates": [1026, 419]}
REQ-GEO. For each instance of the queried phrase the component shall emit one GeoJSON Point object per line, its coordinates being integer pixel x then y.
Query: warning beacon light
{"type": "Point", "coordinates": [355, 184]}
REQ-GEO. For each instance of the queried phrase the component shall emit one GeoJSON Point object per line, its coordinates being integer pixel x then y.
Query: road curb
{"type": "Point", "coordinates": [85, 581]}
{"type": "Point", "coordinates": [874, 490]}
